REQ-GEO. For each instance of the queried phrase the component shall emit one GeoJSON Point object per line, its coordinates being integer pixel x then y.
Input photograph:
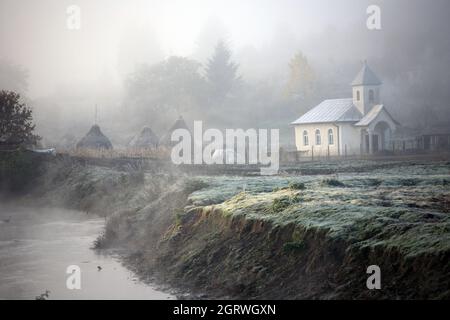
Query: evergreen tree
{"type": "Point", "coordinates": [221, 72]}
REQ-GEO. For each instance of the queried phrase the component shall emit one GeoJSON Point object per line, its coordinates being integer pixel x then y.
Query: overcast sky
{"type": "Point", "coordinates": [115, 35]}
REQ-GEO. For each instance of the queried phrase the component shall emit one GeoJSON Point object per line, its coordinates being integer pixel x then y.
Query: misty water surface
{"type": "Point", "coordinates": [37, 245]}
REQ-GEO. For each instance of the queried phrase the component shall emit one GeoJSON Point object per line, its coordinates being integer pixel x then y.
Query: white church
{"type": "Point", "coordinates": [354, 126]}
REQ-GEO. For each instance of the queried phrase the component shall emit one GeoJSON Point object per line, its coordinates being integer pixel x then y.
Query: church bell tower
{"type": "Point", "coordinates": [366, 89]}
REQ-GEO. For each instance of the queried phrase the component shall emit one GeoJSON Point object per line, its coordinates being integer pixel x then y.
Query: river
{"type": "Point", "coordinates": [38, 245]}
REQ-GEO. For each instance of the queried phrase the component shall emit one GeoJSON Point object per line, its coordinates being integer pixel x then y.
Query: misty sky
{"type": "Point", "coordinates": [71, 71]}
{"type": "Point", "coordinates": [115, 35]}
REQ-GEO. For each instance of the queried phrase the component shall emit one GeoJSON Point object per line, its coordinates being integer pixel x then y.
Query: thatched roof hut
{"type": "Point", "coordinates": [145, 139]}
{"type": "Point", "coordinates": [166, 139]}
{"type": "Point", "coordinates": [94, 139]}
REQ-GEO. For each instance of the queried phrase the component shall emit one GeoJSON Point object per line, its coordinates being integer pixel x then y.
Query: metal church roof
{"type": "Point", "coordinates": [373, 114]}
{"type": "Point", "coordinates": [334, 110]}
{"type": "Point", "coordinates": [370, 116]}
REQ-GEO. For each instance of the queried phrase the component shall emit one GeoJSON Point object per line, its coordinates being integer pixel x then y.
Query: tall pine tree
{"type": "Point", "coordinates": [221, 72]}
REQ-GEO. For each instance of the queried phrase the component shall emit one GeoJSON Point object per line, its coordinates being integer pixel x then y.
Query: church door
{"type": "Point", "coordinates": [375, 143]}
{"type": "Point", "coordinates": [367, 143]}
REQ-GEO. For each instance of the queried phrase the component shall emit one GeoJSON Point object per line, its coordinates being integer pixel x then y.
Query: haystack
{"type": "Point", "coordinates": [166, 139]}
{"type": "Point", "coordinates": [95, 139]}
{"type": "Point", "coordinates": [146, 139]}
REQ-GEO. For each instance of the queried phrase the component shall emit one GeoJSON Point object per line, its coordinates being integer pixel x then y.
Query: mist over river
{"type": "Point", "coordinates": [37, 246]}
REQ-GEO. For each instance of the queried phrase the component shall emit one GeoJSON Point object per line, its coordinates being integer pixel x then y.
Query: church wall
{"type": "Point", "coordinates": [350, 139]}
{"type": "Point", "coordinates": [322, 150]}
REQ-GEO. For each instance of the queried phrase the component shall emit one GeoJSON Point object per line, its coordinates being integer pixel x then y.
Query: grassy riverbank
{"type": "Point", "coordinates": [315, 236]}
{"type": "Point", "coordinates": [309, 235]}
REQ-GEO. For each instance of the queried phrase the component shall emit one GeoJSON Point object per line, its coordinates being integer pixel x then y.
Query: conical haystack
{"type": "Point", "coordinates": [166, 139]}
{"type": "Point", "coordinates": [146, 139]}
{"type": "Point", "coordinates": [94, 139]}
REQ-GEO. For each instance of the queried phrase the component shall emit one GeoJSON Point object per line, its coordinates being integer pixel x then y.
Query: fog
{"type": "Point", "coordinates": [71, 73]}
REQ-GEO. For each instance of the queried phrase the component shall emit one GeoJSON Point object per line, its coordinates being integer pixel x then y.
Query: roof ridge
{"type": "Point", "coordinates": [330, 110]}
{"type": "Point", "coordinates": [338, 99]}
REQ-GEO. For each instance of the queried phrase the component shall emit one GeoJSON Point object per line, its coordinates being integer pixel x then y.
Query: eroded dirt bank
{"type": "Point", "coordinates": [289, 237]}
{"type": "Point", "coordinates": [247, 258]}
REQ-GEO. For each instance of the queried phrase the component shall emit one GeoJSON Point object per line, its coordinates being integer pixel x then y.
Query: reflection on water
{"type": "Point", "coordinates": [37, 246]}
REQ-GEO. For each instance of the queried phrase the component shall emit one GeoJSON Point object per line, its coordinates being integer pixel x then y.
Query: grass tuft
{"type": "Point", "coordinates": [297, 186]}
{"type": "Point", "coordinates": [332, 183]}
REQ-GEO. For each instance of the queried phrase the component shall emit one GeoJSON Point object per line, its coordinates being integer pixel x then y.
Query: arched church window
{"type": "Point", "coordinates": [305, 138]}
{"type": "Point", "coordinates": [330, 137]}
{"type": "Point", "coordinates": [371, 96]}
{"type": "Point", "coordinates": [358, 95]}
{"type": "Point", "coordinates": [318, 138]}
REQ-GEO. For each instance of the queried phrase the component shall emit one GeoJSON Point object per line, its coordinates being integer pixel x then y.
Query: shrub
{"type": "Point", "coordinates": [18, 170]}
{"type": "Point", "coordinates": [100, 242]}
{"type": "Point", "coordinates": [192, 185]}
{"type": "Point", "coordinates": [282, 203]}
{"type": "Point", "coordinates": [297, 186]}
{"type": "Point", "coordinates": [333, 183]}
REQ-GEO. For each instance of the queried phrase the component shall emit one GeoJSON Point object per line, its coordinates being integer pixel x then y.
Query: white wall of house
{"type": "Point", "coordinates": [350, 143]}
{"type": "Point", "coordinates": [347, 139]}
{"type": "Point", "coordinates": [320, 150]}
